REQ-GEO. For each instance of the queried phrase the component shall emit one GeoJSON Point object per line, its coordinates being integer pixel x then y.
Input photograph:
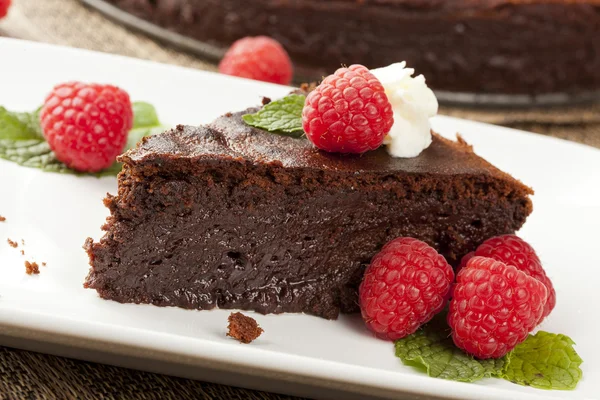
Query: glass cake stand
{"type": "Point", "coordinates": [214, 53]}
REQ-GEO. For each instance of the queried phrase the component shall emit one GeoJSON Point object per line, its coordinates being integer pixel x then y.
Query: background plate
{"type": "Point", "coordinates": [55, 213]}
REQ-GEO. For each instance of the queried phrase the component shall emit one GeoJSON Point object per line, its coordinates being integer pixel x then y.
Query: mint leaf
{"type": "Point", "coordinates": [144, 115]}
{"type": "Point", "coordinates": [22, 141]}
{"type": "Point", "coordinates": [544, 361]}
{"type": "Point", "coordinates": [283, 115]}
{"type": "Point", "coordinates": [19, 126]}
{"type": "Point", "coordinates": [34, 153]}
{"type": "Point", "coordinates": [431, 348]}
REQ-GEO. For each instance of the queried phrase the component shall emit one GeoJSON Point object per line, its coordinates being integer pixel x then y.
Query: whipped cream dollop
{"type": "Point", "coordinates": [413, 104]}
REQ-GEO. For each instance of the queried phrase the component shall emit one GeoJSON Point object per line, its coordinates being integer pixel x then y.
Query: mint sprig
{"type": "Point", "coordinates": [22, 141]}
{"type": "Point", "coordinates": [431, 348]}
{"type": "Point", "coordinates": [544, 360]}
{"type": "Point", "coordinates": [280, 116]}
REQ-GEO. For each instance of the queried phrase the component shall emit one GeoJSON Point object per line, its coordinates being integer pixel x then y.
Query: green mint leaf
{"type": "Point", "coordinates": [22, 140]}
{"type": "Point", "coordinates": [144, 115]}
{"type": "Point", "coordinates": [19, 126]}
{"type": "Point", "coordinates": [283, 115]}
{"type": "Point", "coordinates": [544, 361]}
{"type": "Point", "coordinates": [136, 134]}
{"type": "Point", "coordinates": [34, 153]}
{"type": "Point", "coordinates": [431, 349]}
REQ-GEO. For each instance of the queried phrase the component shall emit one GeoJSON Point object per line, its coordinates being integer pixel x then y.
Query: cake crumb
{"type": "Point", "coordinates": [23, 242]}
{"type": "Point", "coordinates": [22, 252]}
{"type": "Point", "coordinates": [12, 243]}
{"type": "Point", "coordinates": [2, 219]}
{"type": "Point", "coordinates": [306, 88]}
{"type": "Point", "coordinates": [31, 268]}
{"type": "Point", "coordinates": [43, 264]}
{"type": "Point", "coordinates": [243, 328]}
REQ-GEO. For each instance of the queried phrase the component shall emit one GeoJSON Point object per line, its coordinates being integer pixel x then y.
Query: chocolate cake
{"type": "Point", "coordinates": [230, 216]}
{"type": "Point", "coordinates": [474, 46]}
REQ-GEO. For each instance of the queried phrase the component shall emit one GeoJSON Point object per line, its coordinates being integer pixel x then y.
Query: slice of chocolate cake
{"type": "Point", "coordinates": [230, 216]}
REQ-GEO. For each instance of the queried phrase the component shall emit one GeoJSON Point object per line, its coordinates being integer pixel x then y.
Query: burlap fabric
{"type": "Point", "coordinates": [67, 22]}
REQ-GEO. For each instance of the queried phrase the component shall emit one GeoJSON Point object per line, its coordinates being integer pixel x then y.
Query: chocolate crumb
{"type": "Point", "coordinates": [265, 101]}
{"type": "Point", "coordinates": [31, 268]}
{"type": "Point", "coordinates": [22, 252]}
{"type": "Point", "coordinates": [243, 328]}
{"type": "Point", "coordinates": [306, 88]}
{"type": "Point", "coordinates": [12, 243]}
{"type": "Point", "coordinates": [2, 219]}
{"type": "Point", "coordinates": [43, 264]}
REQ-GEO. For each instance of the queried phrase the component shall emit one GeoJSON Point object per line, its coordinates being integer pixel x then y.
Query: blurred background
{"type": "Point", "coordinates": [519, 64]}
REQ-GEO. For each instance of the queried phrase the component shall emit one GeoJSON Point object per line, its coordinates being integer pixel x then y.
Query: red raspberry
{"type": "Point", "coordinates": [512, 250]}
{"type": "Point", "coordinates": [464, 261]}
{"type": "Point", "coordinates": [494, 307]}
{"type": "Point", "coordinates": [260, 58]}
{"type": "Point", "coordinates": [348, 112]}
{"type": "Point", "coordinates": [4, 6]}
{"type": "Point", "coordinates": [404, 287]}
{"type": "Point", "coordinates": [86, 125]}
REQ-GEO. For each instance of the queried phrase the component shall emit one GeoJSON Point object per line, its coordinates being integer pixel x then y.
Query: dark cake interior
{"type": "Point", "coordinates": [232, 216]}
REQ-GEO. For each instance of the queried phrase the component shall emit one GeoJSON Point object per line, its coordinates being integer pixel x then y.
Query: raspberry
{"type": "Point", "coordinates": [512, 250]}
{"type": "Point", "coordinates": [86, 125]}
{"type": "Point", "coordinates": [260, 58]}
{"type": "Point", "coordinates": [406, 284]}
{"type": "Point", "coordinates": [464, 261]}
{"type": "Point", "coordinates": [4, 6]}
{"type": "Point", "coordinates": [494, 307]}
{"type": "Point", "coordinates": [348, 112]}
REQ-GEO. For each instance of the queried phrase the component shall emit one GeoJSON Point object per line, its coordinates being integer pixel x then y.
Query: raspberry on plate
{"type": "Point", "coordinates": [512, 250]}
{"type": "Point", "coordinates": [86, 125]}
{"type": "Point", "coordinates": [405, 285]}
{"type": "Point", "coordinates": [260, 58]}
{"type": "Point", "coordinates": [494, 307]}
{"type": "Point", "coordinates": [4, 6]}
{"type": "Point", "coordinates": [348, 112]}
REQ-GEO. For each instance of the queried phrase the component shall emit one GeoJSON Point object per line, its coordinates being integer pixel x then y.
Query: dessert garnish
{"type": "Point", "coordinates": [86, 124]}
{"type": "Point", "coordinates": [23, 141]}
{"type": "Point", "coordinates": [260, 58]}
{"type": "Point", "coordinates": [348, 112]}
{"type": "Point", "coordinates": [32, 268]}
{"type": "Point", "coordinates": [494, 307]}
{"type": "Point", "coordinates": [512, 250]}
{"type": "Point", "coordinates": [4, 6]}
{"type": "Point", "coordinates": [544, 360]}
{"type": "Point", "coordinates": [243, 328]}
{"type": "Point", "coordinates": [356, 110]}
{"type": "Point", "coordinates": [496, 302]}
{"type": "Point", "coordinates": [413, 104]}
{"type": "Point", "coordinates": [420, 278]}
{"type": "Point", "coordinates": [280, 116]}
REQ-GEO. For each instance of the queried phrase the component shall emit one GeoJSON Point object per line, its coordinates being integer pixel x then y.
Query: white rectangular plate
{"type": "Point", "coordinates": [55, 213]}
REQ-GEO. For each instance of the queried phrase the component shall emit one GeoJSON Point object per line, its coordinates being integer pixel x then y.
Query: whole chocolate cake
{"type": "Point", "coordinates": [472, 46]}
{"type": "Point", "coordinates": [227, 215]}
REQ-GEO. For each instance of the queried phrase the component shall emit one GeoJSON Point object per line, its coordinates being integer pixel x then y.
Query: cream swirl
{"type": "Point", "coordinates": [413, 103]}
